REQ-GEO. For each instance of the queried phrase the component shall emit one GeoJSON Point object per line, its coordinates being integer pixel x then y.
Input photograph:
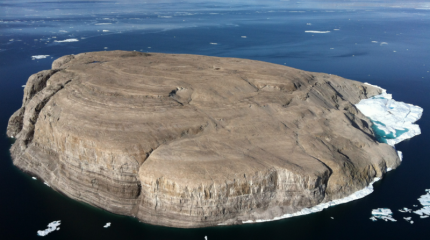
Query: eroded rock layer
{"type": "Point", "coordinates": [193, 141]}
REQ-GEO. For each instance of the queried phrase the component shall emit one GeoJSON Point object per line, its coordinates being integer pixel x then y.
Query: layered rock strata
{"type": "Point", "coordinates": [193, 141]}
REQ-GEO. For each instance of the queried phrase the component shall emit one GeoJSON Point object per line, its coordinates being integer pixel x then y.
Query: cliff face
{"type": "Point", "coordinates": [193, 141]}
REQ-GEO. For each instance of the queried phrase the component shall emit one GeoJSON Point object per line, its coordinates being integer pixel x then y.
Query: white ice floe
{"type": "Point", "coordinates": [107, 225]}
{"type": "Point", "coordinates": [39, 56]}
{"type": "Point", "coordinates": [22, 85]}
{"type": "Point", "coordinates": [311, 31]}
{"type": "Point", "coordinates": [318, 208]}
{"type": "Point", "coordinates": [34, 178]}
{"type": "Point", "coordinates": [68, 40]}
{"type": "Point", "coordinates": [400, 155]}
{"type": "Point", "coordinates": [51, 227]}
{"type": "Point", "coordinates": [46, 184]}
{"type": "Point", "coordinates": [382, 211]}
{"type": "Point", "coordinates": [407, 218]}
{"type": "Point", "coordinates": [404, 210]}
{"type": "Point", "coordinates": [393, 121]}
{"type": "Point", "coordinates": [425, 202]}
{"type": "Point", "coordinates": [383, 214]}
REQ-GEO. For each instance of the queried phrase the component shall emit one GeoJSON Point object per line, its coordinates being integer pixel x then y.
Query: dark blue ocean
{"type": "Point", "coordinates": [386, 43]}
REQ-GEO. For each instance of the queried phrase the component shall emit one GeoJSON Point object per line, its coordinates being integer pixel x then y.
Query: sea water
{"type": "Point", "coordinates": [382, 43]}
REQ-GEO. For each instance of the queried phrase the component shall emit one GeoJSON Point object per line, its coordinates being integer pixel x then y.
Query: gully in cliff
{"type": "Point", "coordinates": [193, 141]}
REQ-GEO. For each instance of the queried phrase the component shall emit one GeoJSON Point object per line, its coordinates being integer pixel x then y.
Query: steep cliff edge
{"type": "Point", "coordinates": [194, 141]}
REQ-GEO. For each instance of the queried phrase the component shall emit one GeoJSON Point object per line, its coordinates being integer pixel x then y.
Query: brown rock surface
{"type": "Point", "coordinates": [193, 141]}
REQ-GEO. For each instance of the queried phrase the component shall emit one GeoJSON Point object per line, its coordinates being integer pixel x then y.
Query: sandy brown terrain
{"type": "Point", "coordinates": [193, 141]}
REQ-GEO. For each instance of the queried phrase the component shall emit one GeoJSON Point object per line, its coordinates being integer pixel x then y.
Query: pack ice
{"type": "Point", "coordinates": [51, 227]}
{"type": "Point", "coordinates": [425, 202]}
{"type": "Point", "coordinates": [382, 213]}
{"type": "Point", "coordinates": [392, 121]}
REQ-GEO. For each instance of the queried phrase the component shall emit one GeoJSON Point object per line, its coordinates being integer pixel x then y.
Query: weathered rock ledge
{"type": "Point", "coordinates": [193, 141]}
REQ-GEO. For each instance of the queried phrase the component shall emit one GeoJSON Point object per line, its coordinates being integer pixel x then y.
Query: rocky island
{"type": "Point", "coordinates": [193, 141]}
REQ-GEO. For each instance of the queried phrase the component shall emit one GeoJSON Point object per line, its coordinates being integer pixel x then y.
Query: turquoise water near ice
{"type": "Point", "coordinates": [376, 43]}
{"type": "Point", "coordinates": [382, 136]}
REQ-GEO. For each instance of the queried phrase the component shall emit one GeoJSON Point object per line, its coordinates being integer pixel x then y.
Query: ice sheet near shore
{"type": "Point", "coordinates": [51, 227]}
{"type": "Point", "coordinates": [318, 208]}
{"type": "Point", "coordinates": [392, 120]}
{"type": "Point", "coordinates": [68, 40]}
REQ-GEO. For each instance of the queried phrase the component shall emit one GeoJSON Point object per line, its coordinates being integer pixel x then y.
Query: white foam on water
{"type": "Point", "coordinates": [102, 23]}
{"type": "Point", "coordinates": [383, 43]}
{"type": "Point", "coordinates": [67, 40]}
{"type": "Point", "coordinates": [394, 118]}
{"type": "Point", "coordinates": [39, 56]}
{"type": "Point", "coordinates": [312, 31]}
{"type": "Point", "coordinates": [107, 225]}
{"type": "Point", "coordinates": [51, 227]}
{"type": "Point", "coordinates": [318, 208]}
{"type": "Point", "coordinates": [213, 43]}
{"type": "Point", "coordinates": [105, 30]}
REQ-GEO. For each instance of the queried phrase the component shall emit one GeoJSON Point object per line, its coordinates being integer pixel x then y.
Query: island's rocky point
{"type": "Point", "coordinates": [193, 141]}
